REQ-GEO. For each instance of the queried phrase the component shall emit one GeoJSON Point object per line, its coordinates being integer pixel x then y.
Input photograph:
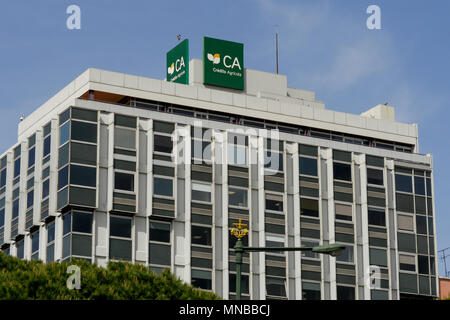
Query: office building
{"type": "Point", "coordinates": [122, 167]}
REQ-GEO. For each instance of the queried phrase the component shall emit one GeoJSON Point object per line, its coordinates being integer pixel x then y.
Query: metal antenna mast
{"type": "Point", "coordinates": [444, 256]}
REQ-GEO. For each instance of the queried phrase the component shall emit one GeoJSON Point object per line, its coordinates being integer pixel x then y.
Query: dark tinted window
{"type": "Point", "coordinates": [83, 131]}
{"type": "Point", "coordinates": [159, 231]}
{"type": "Point", "coordinates": [275, 205]}
{"type": "Point", "coordinates": [375, 176]}
{"type": "Point", "coordinates": [423, 264]}
{"type": "Point", "coordinates": [308, 166]}
{"type": "Point", "coordinates": [85, 176]}
{"type": "Point", "coordinates": [403, 183]}
{"type": "Point", "coordinates": [83, 153]}
{"type": "Point", "coordinates": [124, 181]}
{"type": "Point", "coordinates": [31, 157]}
{"type": "Point", "coordinates": [45, 188]}
{"type": "Point", "coordinates": [63, 177]}
{"type": "Point", "coordinates": [120, 227]}
{"type": "Point", "coordinates": [421, 225]}
{"type": "Point", "coordinates": [159, 254]}
{"type": "Point", "coordinates": [309, 207]}
{"type": "Point", "coordinates": [377, 217]}
{"type": "Point", "coordinates": [201, 235]}
{"type": "Point", "coordinates": [162, 144]}
{"type": "Point", "coordinates": [67, 220]}
{"type": "Point", "coordinates": [406, 242]}
{"type": "Point", "coordinates": [345, 293]}
{"type": "Point", "coordinates": [47, 145]}
{"type": "Point", "coordinates": [419, 185]}
{"type": "Point", "coordinates": [82, 222]}
{"type": "Point", "coordinates": [405, 202]}
{"type": "Point", "coordinates": [342, 171]}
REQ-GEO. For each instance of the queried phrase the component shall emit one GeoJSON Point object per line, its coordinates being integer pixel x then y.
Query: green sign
{"type": "Point", "coordinates": [223, 63]}
{"type": "Point", "coordinates": [178, 63]}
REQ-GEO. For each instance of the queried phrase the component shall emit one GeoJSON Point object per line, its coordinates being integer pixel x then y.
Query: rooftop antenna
{"type": "Point", "coordinates": [276, 44]}
{"type": "Point", "coordinates": [22, 117]}
{"type": "Point", "coordinates": [443, 257]}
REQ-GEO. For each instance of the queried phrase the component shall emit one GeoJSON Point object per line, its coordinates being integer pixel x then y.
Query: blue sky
{"type": "Point", "coordinates": [325, 46]}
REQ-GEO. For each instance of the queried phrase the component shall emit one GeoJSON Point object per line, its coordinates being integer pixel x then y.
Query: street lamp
{"type": "Point", "coordinates": [241, 231]}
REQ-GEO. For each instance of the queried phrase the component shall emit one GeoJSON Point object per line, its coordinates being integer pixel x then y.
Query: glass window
{"type": "Point", "coordinates": [405, 222]}
{"type": "Point", "coordinates": [83, 153]}
{"type": "Point", "coordinates": [124, 121]}
{"type": "Point", "coordinates": [201, 192]}
{"type": "Point", "coordinates": [237, 197]}
{"type": "Point", "coordinates": [421, 225]}
{"type": "Point", "coordinates": [81, 175]}
{"type": "Point", "coordinates": [51, 233]}
{"type": "Point", "coordinates": [343, 212]}
{"type": "Point", "coordinates": [3, 178]}
{"type": "Point", "coordinates": [310, 291]}
{"type": "Point", "coordinates": [16, 167]}
{"type": "Point", "coordinates": [162, 144]}
{"type": "Point", "coordinates": [31, 157]}
{"type": "Point", "coordinates": [407, 263]}
{"type": "Point", "coordinates": [342, 171]}
{"type": "Point", "coordinates": [159, 254]}
{"type": "Point", "coordinates": [2, 217]}
{"type": "Point", "coordinates": [201, 279]}
{"type": "Point", "coordinates": [30, 198]}
{"type": "Point", "coordinates": [420, 205]}
{"type": "Point", "coordinates": [423, 264]}
{"type": "Point", "coordinates": [120, 249]}
{"type": "Point", "coordinates": [308, 166]}
{"type": "Point", "coordinates": [81, 245]}
{"type": "Point", "coordinates": [164, 127]}
{"type": "Point", "coordinates": [275, 287]}
{"type": "Point", "coordinates": [162, 186]}
{"type": "Point", "coordinates": [309, 207]}
{"type": "Point", "coordinates": [15, 212]}
{"type": "Point", "coordinates": [67, 223]}
{"type": "Point", "coordinates": [120, 227]}
{"type": "Point", "coordinates": [123, 181]}
{"type": "Point", "coordinates": [419, 185]}
{"type": "Point", "coordinates": [237, 155]}
{"type": "Point", "coordinates": [50, 253]}
{"type": "Point", "coordinates": [345, 293]}
{"type": "Point", "coordinates": [201, 149]}
{"type": "Point", "coordinates": [404, 202]}
{"type": "Point", "coordinates": [159, 231]}
{"type": "Point", "coordinates": [378, 257]}
{"type": "Point", "coordinates": [34, 242]}
{"type": "Point", "coordinates": [273, 160]}
{"type": "Point", "coordinates": [83, 131]}
{"type": "Point", "coordinates": [347, 255]}
{"type": "Point", "coordinates": [82, 222]}
{"type": "Point", "coordinates": [20, 249]}
{"type": "Point", "coordinates": [64, 132]}
{"type": "Point", "coordinates": [274, 202]}
{"type": "Point", "coordinates": [244, 283]}
{"type": "Point", "coordinates": [124, 138]}
{"type": "Point", "coordinates": [201, 235]}
{"type": "Point", "coordinates": [310, 254]}
{"type": "Point", "coordinates": [47, 146]}
{"type": "Point", "coordinates": [376, 217]}
{"type": "Point", "coordinates": [375, 176]}
{"type": "Point", "coordinates": [88, 115]}
{"type": "Point", "coordinates": [63, 155]}
{"type": "Point", "coordinates": [406, 242]}
{"type": "Point", "coordinates": [63, 177]}
{"type": "Point", "coordinates": [403, 183]}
